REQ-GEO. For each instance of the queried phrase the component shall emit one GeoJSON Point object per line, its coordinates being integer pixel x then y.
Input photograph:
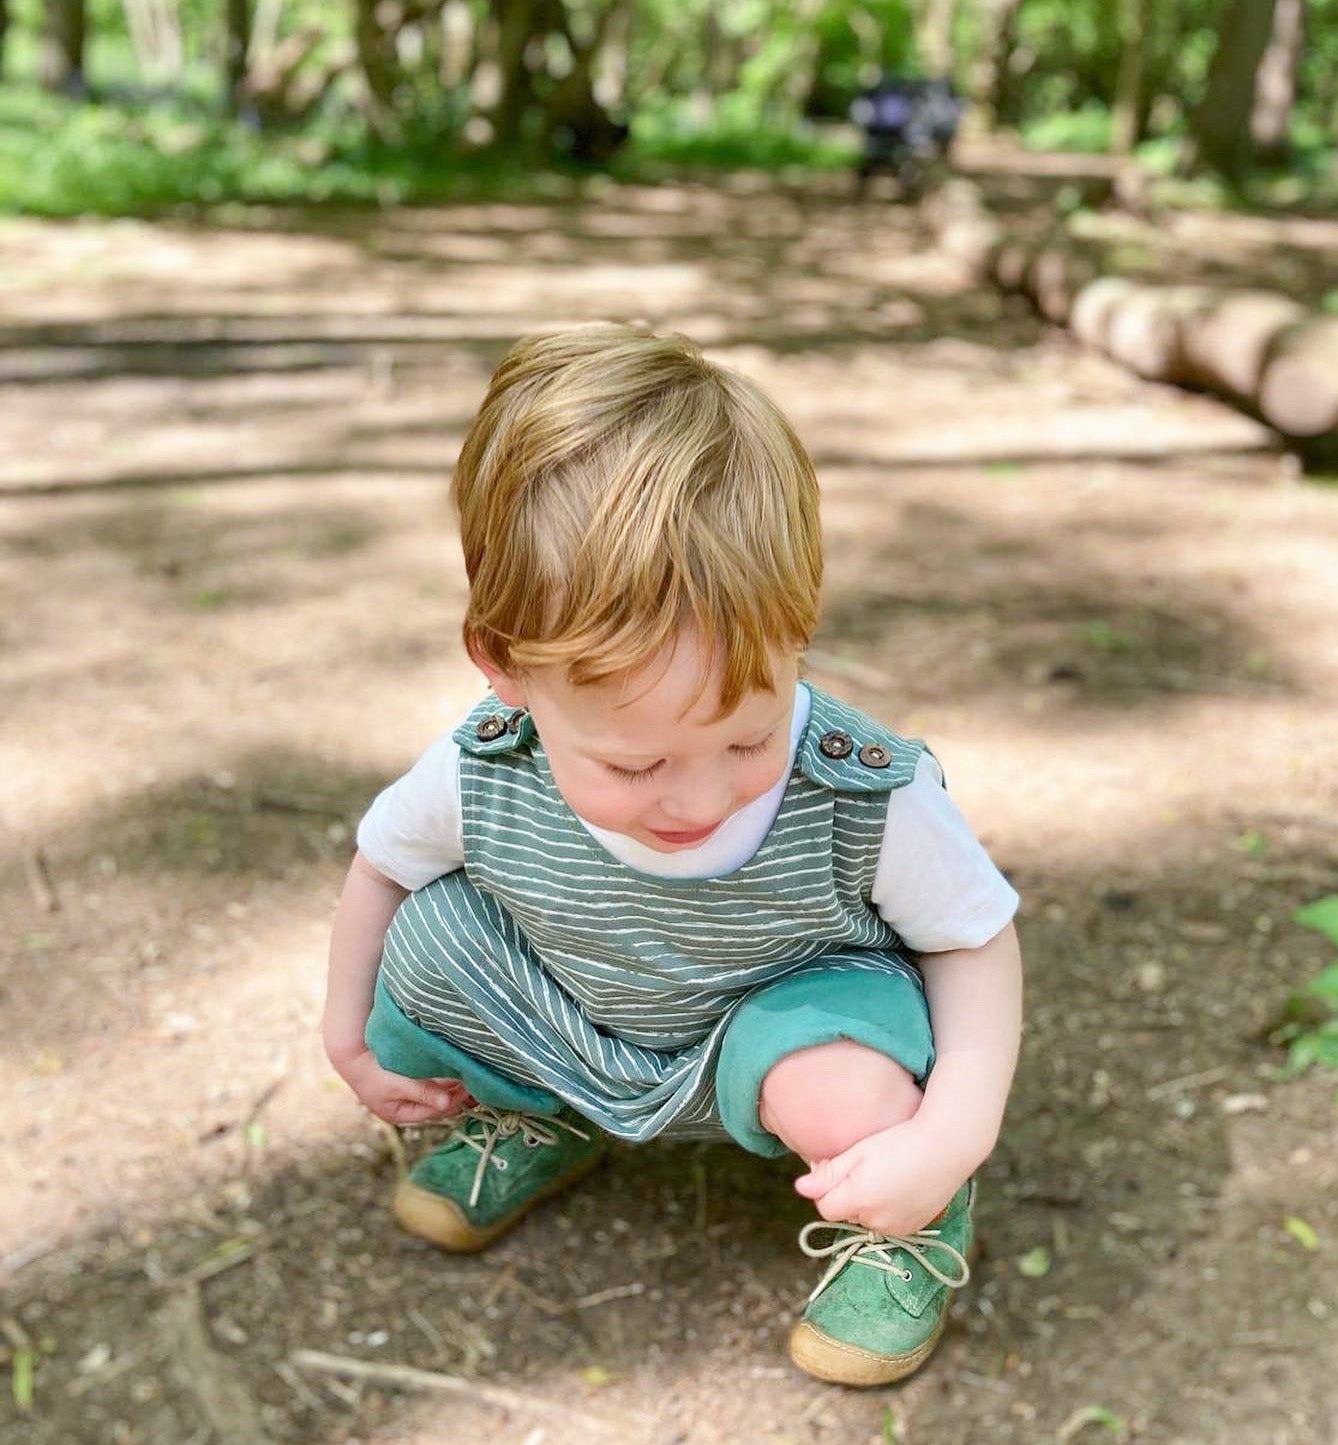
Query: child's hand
{"type": "Point", "coordinates": [401, 1100]}
{"type": "Point", "coordinates": [894, 1182]}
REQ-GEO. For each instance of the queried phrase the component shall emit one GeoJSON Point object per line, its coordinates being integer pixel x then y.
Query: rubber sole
{"type": "Point", "coordinates": [442, 1222]}
{"type": "Point", "coordinates": [825, 1358]}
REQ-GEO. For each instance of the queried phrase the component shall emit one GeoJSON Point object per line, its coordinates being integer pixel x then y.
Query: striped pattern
{"type": "Point", "coordinates": [557, 964]}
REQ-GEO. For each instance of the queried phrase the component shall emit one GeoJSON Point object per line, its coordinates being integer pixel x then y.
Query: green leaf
{"type": "Point", "coordinates": [1091, 1415]}
{"type": "Point", "coordinates": [1300, 1231]}
{"type": "Point", "coordinates": [22, 1383]}
{"type": "Point", "coordinates": [1035, 1264]}
{"type": "Point", "coordinates": [889, 1425]}
{"type": "Point", "coordinates": [1321, 915]}
{"type": "Point", "coordinates": [1325, 985]}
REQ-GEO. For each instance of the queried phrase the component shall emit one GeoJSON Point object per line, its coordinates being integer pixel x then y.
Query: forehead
{"type": "Point", "coordinates": [676, 693]}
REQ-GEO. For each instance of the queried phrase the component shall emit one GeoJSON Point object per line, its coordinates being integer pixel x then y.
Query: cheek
{"type": "Point", "coordinates": [596, 796]}
{"type": "Point", "coordinates": [759, 776]}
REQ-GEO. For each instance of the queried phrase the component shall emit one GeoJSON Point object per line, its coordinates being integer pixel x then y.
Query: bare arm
{"type": "Point", "coordinates": [975, 1005]}
{"type": "Point", "coordinates": [366, 906]}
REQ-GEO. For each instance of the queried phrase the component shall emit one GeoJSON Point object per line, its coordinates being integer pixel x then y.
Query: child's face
{"type": "Point", "coordinates": [646, 756]}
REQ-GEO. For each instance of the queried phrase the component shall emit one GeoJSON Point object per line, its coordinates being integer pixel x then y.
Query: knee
{"type": "Point", "coordinates": [820, 1101]}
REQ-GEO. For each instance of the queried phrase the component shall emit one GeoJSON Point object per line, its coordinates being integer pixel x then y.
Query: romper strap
{"type": "Point", "coordinates": [847, 751]}
{"type": "Point", "coordinates": [494, 728]}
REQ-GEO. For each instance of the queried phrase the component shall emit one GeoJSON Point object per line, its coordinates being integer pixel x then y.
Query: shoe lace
{"type": "Point", "coordinates": [855, 1244]}
{"type": "Point", "coordinates": [483, 1128]}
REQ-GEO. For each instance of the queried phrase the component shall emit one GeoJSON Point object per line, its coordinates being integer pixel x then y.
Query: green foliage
{"type": "Point", "coordinates": [1087, 130]}
{"type": "Point", "coordinates": [1310, 1029]}
{"type": "Point", "coordinates": [707, 82]}
{"type": "Point", "coordinates": [731, 134]}
{"type": "Point", "coordinates": [61, 158]}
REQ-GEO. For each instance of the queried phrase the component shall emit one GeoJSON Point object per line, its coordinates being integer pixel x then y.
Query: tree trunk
{"type": "Point", "coordinates": [63, 46]}
{"type": "Point", "coordinates": [1128, 111]}
{"type": "Point", "coordinates": [513, 34]}
{"type": "Point", "coordinates": [994, 77]}
{"type": "Point", "coordinates": [377, 66]}
{"type": "Point", "coordinates": [936, 24]}
{"type": "Point", "coordinates": [1221, 124]}
{"type": "Point", "coordinates": [1275, 89]}
{"type": "Point", "coordinates": [236, 45]}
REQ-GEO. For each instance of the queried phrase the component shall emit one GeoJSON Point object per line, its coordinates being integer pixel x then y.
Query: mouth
{"type": "Point", "coordinates": [697, 835]}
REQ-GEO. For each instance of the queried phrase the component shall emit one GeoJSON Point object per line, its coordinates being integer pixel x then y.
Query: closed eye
{"type": "Point", "coordinates": [750, 750]}
{"type": "Point", "coordinates": [633, 775]}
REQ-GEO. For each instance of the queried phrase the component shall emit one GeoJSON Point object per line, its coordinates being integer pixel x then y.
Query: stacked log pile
{"type": "Point", "coordinates": [1260, 350]}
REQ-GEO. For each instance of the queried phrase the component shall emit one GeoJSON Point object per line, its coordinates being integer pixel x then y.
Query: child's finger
{"type": "Point", "coordinates": [840, 1203]}
{"type": "Point", "coordinates": [432, 1097]}
{"type": "Point", "coordinates": [823, 1175]}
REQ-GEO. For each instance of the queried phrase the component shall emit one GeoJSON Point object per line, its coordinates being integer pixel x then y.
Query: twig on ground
{"type": "Point", "coordinates": [298, 1385]}
{"type": "Point", "coordinates": [407, 1377]}
{"type": "Point", "coordinates": [110, 1371]}
{"type": "Point", "coordinates": [25, 1255]}
{"type": "Point", "coordinates": [603, 1296]}
{"type": "Point", "coordinates": [227, 1256]}
{"type": "Point", "coordinates": [39, 881]}
{"type": "Point", "coordinates": [261, 1100]}
{"type": "Point", "coordinates": [214, 1382]}
{"type": "Point", "coordinates": [429, 1330]}
{"type": "Point", "coordinates": [1191, 1081]}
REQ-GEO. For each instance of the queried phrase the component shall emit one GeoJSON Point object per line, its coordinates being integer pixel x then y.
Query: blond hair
{"type": "Point", "coordinates": [617, 486]}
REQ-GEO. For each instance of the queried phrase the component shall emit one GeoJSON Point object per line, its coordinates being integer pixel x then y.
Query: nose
{"type": "Point", "coordinates": [697, 801]}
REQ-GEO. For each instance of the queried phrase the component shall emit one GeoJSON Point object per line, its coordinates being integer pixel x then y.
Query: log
{"type": "Point", "coordinates": [1226, 340]}
{"type": "Point", "coordinates": [1298, 384]}
{"type": "Point", "coordinates": [1054, 279]}
{"type": "Point", "coordinates": [1144, 333]}
{"type": "Point", "coordinates": [1258, 349]}
{"type": "Point", "coordinates": [1009, 264]}
{"type": "Point", "coordinates": [1094, 306]}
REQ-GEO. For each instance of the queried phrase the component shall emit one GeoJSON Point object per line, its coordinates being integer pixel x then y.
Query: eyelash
{"type": "Point", "coordinates": [635, 775]}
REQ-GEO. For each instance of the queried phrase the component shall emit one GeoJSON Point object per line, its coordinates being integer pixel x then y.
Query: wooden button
{"type": "Point", "coordinates": [874, 755]}
{"type": "Point", "coordinates": [836, 745]}
{"type": "Point", "coordinates": [492, 726]}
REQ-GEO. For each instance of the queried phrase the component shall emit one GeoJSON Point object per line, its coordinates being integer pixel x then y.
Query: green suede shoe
{"type": "Point", "coordinates": [878, 1312]}
{"type": "Point", "coordinates": [492, 1168]}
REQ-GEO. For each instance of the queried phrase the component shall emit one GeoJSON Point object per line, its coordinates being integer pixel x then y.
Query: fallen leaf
{"type": "Point", "coordinates": [1035, 1264]}
{"type": "Point", "coordinates": [1300, 1231]}
{"type": "Point", "coordinates": [1091, 1415]}
{"type": "Point", "coordinates": [22, 1379]}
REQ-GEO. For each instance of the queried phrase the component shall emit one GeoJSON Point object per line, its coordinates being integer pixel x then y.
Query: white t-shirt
{"type": "Point", "coordinates": [934, 882]}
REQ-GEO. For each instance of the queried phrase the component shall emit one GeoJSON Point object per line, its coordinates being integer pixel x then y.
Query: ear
{"type": "Point", "coordinates": [509, 687]}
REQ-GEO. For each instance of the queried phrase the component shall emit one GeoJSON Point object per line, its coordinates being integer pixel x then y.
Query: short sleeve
{"type": "Point", "coordinates": [935, 883]}
{"type": "Point", "coordinates": [411, 833]}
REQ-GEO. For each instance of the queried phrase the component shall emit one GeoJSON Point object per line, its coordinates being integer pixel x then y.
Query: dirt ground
{"type": "Point", "coordinates": [228, 611]}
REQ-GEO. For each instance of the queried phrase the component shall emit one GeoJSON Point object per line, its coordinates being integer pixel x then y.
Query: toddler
{"type": "Point", "coordinates": [654, 884]}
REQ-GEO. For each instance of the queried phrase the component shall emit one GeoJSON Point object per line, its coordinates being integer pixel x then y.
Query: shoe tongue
{"type": "Point", "coordinates": [913, 1294]}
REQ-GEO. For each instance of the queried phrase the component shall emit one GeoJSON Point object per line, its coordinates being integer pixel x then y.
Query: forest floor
{"type": "Point", "coordinates": [229, 612]}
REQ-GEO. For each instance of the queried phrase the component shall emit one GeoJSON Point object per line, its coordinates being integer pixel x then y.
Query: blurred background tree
{"type": "Point", "coordinates": [128, 104]}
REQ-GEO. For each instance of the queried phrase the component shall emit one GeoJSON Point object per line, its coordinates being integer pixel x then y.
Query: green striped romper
{"type": "Point", "coordinates": [547, 972]}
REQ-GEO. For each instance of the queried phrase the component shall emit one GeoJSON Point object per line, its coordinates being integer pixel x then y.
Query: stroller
{"type": "Point", "coordinates": [909, 126]}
